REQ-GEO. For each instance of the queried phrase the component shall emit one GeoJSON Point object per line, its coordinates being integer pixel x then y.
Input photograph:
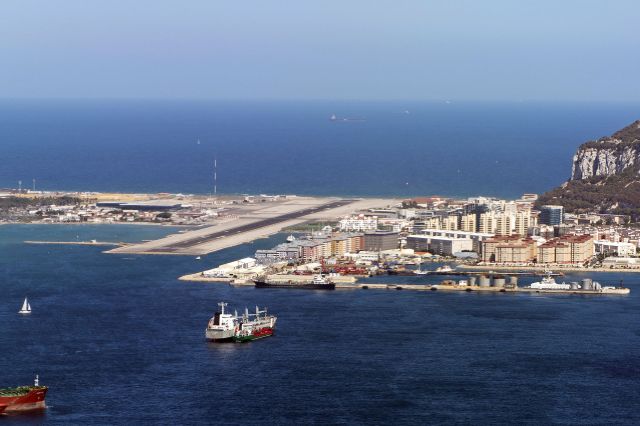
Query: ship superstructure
{"type": "Point", "coordinates": [255, 326]}
{"type": "Point", "coordinates": [222, 326]}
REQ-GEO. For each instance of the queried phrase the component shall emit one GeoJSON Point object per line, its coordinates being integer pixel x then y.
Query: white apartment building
{"type": "Point", "coordinates": [359, 223]}
{"type": "Point", "coordinates": [610, 248]}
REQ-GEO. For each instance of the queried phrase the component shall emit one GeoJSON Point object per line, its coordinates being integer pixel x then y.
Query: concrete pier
{"type": "Point", "coordinates": [477, 289]}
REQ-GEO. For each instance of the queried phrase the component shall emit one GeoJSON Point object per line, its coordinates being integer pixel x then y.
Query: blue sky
{"type": "Point", "coordinates": [272, 49]}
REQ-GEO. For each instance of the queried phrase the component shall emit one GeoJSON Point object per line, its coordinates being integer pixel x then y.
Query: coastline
{"type": "Point", "coordinates": [99, 224]}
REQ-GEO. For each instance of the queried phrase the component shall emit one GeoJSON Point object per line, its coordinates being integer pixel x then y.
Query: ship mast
{"type": "Point", "coordinates": [222, 305]}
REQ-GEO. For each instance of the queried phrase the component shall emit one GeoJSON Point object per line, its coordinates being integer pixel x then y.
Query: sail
{"type": "Point", "coordinates": [26, 307]}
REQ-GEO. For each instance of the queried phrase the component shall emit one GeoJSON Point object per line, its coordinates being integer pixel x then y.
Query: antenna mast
{"type": "Point", "coordinates": [215, 176]}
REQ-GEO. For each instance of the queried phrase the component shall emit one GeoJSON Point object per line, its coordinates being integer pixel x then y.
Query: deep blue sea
{"type": "Point", "coordinates": [399, 149]}
{"type": "Point", "coordinates": [120, 341]}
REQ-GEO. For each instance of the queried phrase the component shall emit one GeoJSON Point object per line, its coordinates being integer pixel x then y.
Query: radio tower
{"type": "Point", "coordinates": [215, 176]}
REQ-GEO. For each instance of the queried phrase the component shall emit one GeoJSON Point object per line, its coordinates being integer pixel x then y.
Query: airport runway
{"type": "Point", "coordinates": [256, 222]}
{"type": "Point", "coordinates": [254, 225]}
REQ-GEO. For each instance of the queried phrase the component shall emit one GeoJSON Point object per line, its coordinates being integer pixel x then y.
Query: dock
{"type": "Point", "coordinates": [492, 272]}
{"type": "Point", "coordinates": [477, 289]}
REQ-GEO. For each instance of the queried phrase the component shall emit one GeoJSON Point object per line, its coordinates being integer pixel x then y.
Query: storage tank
{"type": "Point", "coordinates": [484, 281]}
{"type": "Point", "coordinates": [499, 282]}
{"type": "Point", "coordinates": [513, 280]}
{"type": "Point", "coordinates": [575, 285]}
{"type": "Point", "coordinates": [473, 280]}
{"type": "Point", "coordinates": [587, 284]}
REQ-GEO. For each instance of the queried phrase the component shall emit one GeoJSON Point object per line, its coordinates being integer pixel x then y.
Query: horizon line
{"type": "Point", "coordinates": [316, 100]}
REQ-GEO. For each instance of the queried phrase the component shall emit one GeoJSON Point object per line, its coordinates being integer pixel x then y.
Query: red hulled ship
{"type": "Point", "coordinates": [23, 398]}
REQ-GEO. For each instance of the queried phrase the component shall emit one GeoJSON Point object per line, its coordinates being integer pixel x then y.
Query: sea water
{"type": "Point", "coordinates": [119, 340]}
{"type": "Point", "coordinates": [373, 148]}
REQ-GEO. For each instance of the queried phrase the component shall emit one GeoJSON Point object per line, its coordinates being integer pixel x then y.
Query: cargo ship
{"type": "Point", "coordinates": [23, 398]}
{"type": "Point", "coordinates": [261, 325]}
{"type": "Point", "coordinates": [318, 282]}
{"type": "Point", "coordinates": [224, 327]}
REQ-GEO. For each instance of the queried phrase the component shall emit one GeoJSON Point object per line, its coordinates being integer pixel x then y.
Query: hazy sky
{"type": "Point", "coordinates": [347, 49]}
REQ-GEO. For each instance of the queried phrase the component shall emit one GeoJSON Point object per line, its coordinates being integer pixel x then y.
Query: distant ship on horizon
{"type": "Point", "coordinates": [334, 117]}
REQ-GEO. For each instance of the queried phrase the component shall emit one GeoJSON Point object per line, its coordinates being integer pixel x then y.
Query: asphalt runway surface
{"type": "Point", "coordinates": [251, 226]}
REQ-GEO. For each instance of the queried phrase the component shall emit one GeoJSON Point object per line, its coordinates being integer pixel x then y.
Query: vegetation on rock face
{"type": "Point", "coordinates": [622, 138]}
{"type": "Point", "coordinates": [618, 194]}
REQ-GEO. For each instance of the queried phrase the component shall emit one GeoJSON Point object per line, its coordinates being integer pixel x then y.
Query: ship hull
{"type": "Point", "coordinates": [257, 334]}
{"type": "Point", "coordinates": [306, 286]}
{"type": "Point", "coordinates": [219, 335]}
{"type": "Point", "coordinates": [32, 401]}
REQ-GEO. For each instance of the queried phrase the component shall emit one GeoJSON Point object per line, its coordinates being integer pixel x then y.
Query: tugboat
{"type": "Point", "coordinates": [222, 326]}
{"type": "Point", "coordinates": [319, 282]}
{"type": "Point", "coordinates": [261, 325]}
{"type": "Point", "coordinates": [23, 398]}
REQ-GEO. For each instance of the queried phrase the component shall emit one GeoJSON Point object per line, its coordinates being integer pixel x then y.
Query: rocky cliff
{"type": "Point", "coordinates": [609, 155]}
{"type": "Point", "coordinates": [605, 176]}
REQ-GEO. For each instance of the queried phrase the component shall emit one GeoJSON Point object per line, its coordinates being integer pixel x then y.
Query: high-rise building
{"type": "Point", "coordinates": [523, 222]}
{"type": "Point", "coordinates": [380, 240]}
{"type": "Point", "coordinates": [450, 223]}
{"type": "Point", "coordinates": [551, 215]}
{"type": "Point", "coordinates": [468, 223]}
{"type": "Point", "coordinates": [486, 223]}
{"type": "Point", "coordinates": [503, 224]}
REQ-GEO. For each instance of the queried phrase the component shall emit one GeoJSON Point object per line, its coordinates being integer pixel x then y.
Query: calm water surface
{"type": "Point", "coordinates": [120, 341]}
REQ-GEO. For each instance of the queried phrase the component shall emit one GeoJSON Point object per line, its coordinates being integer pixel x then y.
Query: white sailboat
{"type": "Point", "coordinates": [419, 271]}
{"type": "Point", "coordinates": [26, 307]}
